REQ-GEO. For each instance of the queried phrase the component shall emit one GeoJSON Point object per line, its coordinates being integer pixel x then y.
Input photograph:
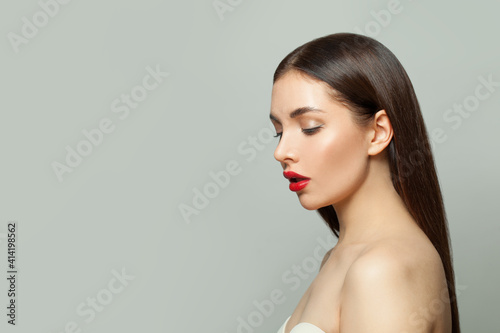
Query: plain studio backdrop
{"type": "Point", "coordinates": [137, 157]}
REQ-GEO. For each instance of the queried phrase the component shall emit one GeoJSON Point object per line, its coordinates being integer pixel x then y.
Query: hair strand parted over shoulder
{"type": "Point", "coordinates": [367, 77]}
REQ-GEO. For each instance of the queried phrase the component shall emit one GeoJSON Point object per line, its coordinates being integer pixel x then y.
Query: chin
{"type": "Point", "coordinates": [310, 204]}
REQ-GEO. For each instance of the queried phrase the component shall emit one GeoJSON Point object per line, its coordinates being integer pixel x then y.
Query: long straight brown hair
{"type": "Point", "coordinates": [367, 77]}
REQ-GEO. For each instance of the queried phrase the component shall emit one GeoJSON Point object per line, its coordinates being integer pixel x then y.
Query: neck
{"type": "Point", "coordinates": [374, 210]}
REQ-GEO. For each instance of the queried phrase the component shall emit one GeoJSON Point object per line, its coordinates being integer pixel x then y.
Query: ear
{"type": "Point", "coordinates": [381, 133]}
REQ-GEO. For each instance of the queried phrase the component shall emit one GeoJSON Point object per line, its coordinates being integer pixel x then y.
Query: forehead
{"type": "Point", "coordinates": [295, 89]}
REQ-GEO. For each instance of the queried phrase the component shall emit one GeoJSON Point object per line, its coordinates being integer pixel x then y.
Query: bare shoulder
{"type": "Point", "coordinates": [325, 258]}
{"type": "Point", "coordinates": [389, 284]}
{"type": "Point", "coordinates": [407, 257]}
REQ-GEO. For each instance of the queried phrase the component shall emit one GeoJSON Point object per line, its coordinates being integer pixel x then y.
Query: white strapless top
{"type": "Point", "coordinates": [302, 327]}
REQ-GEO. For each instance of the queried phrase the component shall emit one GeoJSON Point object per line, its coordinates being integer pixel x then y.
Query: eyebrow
{"type": "Point", "coordinates": [298, 112]}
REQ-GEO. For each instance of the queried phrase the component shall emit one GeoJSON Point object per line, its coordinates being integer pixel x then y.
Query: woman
{"type": "Point", "coordinates": [354, 146]}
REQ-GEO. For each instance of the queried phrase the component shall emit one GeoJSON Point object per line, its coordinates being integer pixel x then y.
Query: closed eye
{"type": "Point", "coordinates": [311, 131]}
{"type": "Point", "coordinates": [306, 131]}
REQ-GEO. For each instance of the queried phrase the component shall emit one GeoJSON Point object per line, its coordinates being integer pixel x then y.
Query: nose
{"type": "Point", "coordinates": [285, 152]}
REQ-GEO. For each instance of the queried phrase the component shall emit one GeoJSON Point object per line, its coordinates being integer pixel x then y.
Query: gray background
{"type": "Point", "coordinates": [120, 207]}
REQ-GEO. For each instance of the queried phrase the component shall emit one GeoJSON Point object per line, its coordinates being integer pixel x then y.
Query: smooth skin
{"type": "Point", "coordinates": [383, 275]}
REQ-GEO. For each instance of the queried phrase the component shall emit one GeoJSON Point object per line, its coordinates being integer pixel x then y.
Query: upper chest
{"type": "Point", "coordinates": [320, 304]}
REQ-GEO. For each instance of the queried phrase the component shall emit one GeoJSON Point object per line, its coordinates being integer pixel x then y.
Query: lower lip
{"type": "Point", "coordinates": [299, 185]}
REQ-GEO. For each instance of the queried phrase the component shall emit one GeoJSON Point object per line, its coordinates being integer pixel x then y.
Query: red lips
{"type": "Point", "coordinates": [297, 181]}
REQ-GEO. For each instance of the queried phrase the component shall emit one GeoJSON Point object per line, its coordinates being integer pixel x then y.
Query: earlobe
{"type": "Point", "coordinates": [382, 132]}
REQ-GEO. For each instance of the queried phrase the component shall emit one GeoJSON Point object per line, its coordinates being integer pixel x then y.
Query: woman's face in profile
{"type": "Point", "coordinates": [325, 146]}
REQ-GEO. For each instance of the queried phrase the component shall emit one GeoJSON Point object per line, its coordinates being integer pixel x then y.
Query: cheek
{"type": "Point", "coordinates": [342, 162]}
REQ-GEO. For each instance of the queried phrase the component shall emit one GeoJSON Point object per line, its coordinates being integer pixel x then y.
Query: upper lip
{"type": "Point", "coordinates": [293, 176]}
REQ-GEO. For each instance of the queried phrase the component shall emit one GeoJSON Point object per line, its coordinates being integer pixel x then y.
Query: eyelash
{"type": "Point", "coordinates": [306, 131]}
